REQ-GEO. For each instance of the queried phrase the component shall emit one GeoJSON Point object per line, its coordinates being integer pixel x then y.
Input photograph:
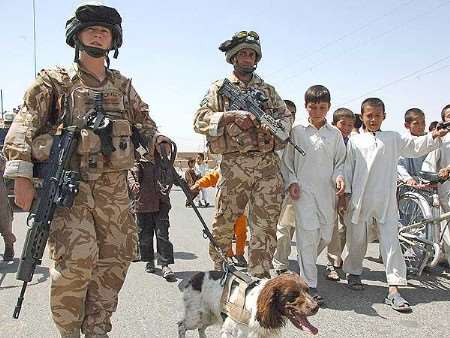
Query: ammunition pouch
{"type": "Point", "coordinates": [91, 148]}
{"type": "Point", "coordinates": [234, 139]}
{"type": "Point", "coordinates": [122, 158]}
{"type": "Point", "coordinates": [91, 156]}
{"type": "Point", "coordinates": [41, 147]}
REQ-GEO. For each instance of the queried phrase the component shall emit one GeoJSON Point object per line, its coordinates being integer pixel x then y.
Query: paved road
{"type": "Point", "coordinates": [150, 307]}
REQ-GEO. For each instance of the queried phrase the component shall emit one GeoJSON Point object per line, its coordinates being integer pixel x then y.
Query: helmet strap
{"type": "Point", "coordinates": [243, 70]}
{"type": "Point", "coordinates": [94, 52]}
{"type": "Point", "coordinates": [76, 59]}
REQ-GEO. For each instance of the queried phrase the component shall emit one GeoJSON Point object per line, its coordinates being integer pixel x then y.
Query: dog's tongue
{"type": "Point", "coordinates": [302, 323]}
{"type": "Point", "coordinates": [307, 326]}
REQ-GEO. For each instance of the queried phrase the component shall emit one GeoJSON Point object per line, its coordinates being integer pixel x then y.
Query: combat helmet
{"type": "Point", "coordinates": [241, 40]}
{"type": "Point", "coordinates": [94, 15]}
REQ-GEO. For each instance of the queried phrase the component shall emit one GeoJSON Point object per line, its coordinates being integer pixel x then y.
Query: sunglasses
{"type": "Point", "coordinates": [250, 35]}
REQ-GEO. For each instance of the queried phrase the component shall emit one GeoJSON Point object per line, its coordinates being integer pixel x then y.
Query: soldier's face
{"type": "Point", "coordinates": [96, 36]}
{"type": "Point", "coordinates": [246, 57]}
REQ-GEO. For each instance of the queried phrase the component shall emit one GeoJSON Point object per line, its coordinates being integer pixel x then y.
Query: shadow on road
{"type": "Point", "coordinates": [11, 267]}
{"type": "Point", "coordinates": [184, 255]}
{"type": "Point", "coordinates": [430, 288]}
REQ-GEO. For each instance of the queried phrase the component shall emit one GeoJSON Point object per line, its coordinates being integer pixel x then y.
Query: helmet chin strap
{"type": "Point", "coordinates": [94, 52]}
{"type": "Point", "coordinates": [244, 70]}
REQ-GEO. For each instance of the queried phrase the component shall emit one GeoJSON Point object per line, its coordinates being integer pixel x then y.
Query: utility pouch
{"type": "Point", "coordinates": [41, 147]}
{"type": "Point", "coordinates": [89, 149]}
{"type": "Point", "coordinates": [122, 157]}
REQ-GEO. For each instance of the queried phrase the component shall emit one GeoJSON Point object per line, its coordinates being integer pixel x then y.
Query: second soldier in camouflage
{"type": "Point", "coordinates": [250, 169]}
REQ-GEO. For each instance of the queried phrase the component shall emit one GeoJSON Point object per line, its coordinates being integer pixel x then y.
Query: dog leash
{"type": "Point", "coordinates": [172, 177]}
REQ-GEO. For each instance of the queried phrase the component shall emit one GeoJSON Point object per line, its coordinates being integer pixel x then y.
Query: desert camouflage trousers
{"type": "Point", "coordinates": [92, 245]}
{"type": "Point", "coordinates": [253, 178]}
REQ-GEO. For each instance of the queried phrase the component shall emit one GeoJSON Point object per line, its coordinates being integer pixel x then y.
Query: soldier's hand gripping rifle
{"type": "Point", "coordinates": [250, 102]}
{"type": "Point", "coordinates": [59, 188]}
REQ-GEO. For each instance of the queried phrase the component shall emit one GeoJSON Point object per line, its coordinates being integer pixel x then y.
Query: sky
{"type": "Point", "coordinates": [396, 50]}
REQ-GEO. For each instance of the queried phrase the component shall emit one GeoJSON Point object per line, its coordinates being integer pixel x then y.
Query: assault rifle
{"type": "Point", "coordinates": [251, 102]}
{"type": "Point", "coordinates": [59, 188]}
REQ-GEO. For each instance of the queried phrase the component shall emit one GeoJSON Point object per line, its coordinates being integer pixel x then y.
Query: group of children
{"type": "Point", "coordinates": [345, 186]}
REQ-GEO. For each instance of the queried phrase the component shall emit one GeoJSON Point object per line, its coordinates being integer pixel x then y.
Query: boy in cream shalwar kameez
{"type": "Point", "coordinates": [312, 182]}
{"type": "Point", "coordinates": [371, 176]}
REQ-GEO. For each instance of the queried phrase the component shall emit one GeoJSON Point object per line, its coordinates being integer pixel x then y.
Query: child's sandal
{"type": "Point", "coordinates": [397, 302]}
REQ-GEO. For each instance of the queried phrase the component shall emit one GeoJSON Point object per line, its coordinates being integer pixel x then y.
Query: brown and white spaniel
{"type": "Point", "coordinates": [269, 302]}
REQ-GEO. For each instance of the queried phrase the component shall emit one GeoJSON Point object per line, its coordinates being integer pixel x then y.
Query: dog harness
{"type": "Point", "coordinates": [237, 284]}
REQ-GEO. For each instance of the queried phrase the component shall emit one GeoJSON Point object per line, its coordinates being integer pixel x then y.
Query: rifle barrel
{"type": "Point", "coordinates": [20, 301]}
{"type": "Point", "coordinates": [300, 150]}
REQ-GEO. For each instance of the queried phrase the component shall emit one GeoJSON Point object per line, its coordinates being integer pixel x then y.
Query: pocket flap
{"type": "Point", "coordinates": [121, 128]}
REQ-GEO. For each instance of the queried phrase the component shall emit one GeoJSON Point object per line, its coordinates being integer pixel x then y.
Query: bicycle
{"type": "Point", "coordinates": [420, 231]}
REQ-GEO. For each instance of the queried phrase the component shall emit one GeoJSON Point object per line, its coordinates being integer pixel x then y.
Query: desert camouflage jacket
{"type": "Point", "coordinates": [44, 108]}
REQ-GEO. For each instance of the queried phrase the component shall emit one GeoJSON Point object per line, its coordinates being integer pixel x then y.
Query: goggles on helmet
{"type": "Point", "coordinates": [247, 35]}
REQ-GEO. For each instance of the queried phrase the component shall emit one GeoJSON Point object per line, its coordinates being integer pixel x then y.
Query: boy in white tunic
{"type": "Point", "coordinates": [344, 120]}
{"type": "Point", "coordinates": [313, 182]}
{"type": "Point", "coordinates": [409, 168]}
{"type": "Point", "coordinates": [439, 161]}
{"type": "Point", "coordinates": [371, 176]}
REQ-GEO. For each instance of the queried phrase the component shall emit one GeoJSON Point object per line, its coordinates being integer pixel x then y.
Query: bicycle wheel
{"type": "Point", "coordinates": [414, 212]}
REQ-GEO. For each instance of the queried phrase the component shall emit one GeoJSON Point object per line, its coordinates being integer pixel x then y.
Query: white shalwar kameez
{"type": "Point", "coordinates": [371, 176]}
{"type": "Point", "coordinates": [316, 174]}
{"type": "Point", "coordinates": [435, 161]}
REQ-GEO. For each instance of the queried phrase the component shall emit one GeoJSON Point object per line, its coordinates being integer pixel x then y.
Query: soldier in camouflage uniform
{"type": "Point", "coordinates": [250, 169]}
{"type": "Point", "coordinates": [92, 243]}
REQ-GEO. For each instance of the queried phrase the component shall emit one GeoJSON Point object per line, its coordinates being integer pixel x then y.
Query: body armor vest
{"type": "Point", "coordinates": [75, 102]}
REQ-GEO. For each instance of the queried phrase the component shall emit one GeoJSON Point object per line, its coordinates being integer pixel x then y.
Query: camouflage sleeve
{"type": "Point", "coordinates": [282, 113]}
{"type": "Point", "coordinates": [32, 117]}
{"type": "Point", "coordinates": [209, 115]}
{"type": "Point", "coordinates": [141, 118]}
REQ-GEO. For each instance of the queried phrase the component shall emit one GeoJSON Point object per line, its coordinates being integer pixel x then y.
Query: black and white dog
{"type": "Point", "coordinates": [270, 302]}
